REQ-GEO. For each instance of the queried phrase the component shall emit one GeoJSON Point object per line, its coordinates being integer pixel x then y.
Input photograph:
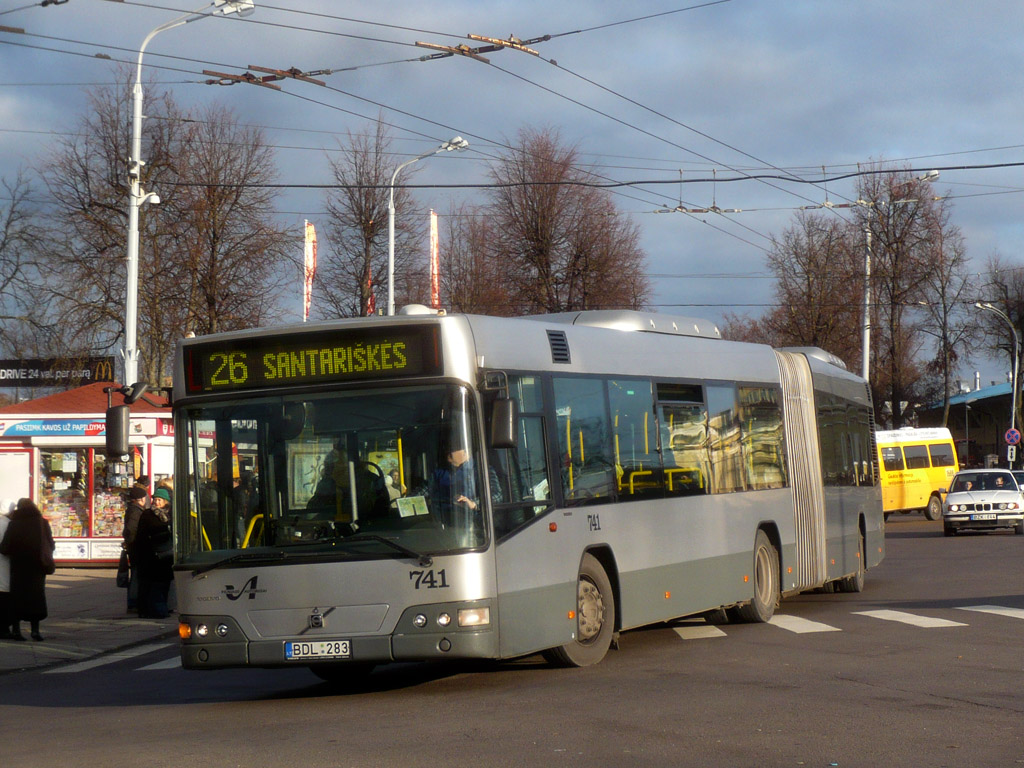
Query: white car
{"type": "Point", "coordinates": [983, 500]}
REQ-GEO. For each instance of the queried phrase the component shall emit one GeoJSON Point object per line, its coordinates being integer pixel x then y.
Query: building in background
{"type": "Point", "coordinates": [52, 451]}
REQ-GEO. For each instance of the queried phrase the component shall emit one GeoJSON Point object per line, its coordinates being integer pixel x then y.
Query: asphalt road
{"type": "Point", "coordinates": [923, 668]}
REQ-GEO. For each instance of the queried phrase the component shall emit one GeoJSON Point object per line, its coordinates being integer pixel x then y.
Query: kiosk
{"type": "Point", "coordinates": [52, 451]}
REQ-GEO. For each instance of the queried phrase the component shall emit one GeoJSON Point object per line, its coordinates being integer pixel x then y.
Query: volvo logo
{"type": "Point", "coordinates": [249, 587]}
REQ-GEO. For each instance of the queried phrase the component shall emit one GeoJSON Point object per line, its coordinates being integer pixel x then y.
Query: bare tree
{"type": "Point", "coordinates": [561, 242]}
{"type": "Point", "coordinates": [210, 253]}
{"type": "Point", "coordinates": [1004, 289]}
{"type": "Point", "coordinates": [87, 181]}
{"type": "Point", "coordinates": [20, 322]}
{"type": "Point", "coordinates": [946, 290]}
{"type": "Point", "coordinates": [472, 275]}
{"type": "Point", "coordinates": [233, 250]}
{"type": "Point", "coordinates": [904, 221]}
{"type": "Point", "coordinates": [355, 268]}
{"type": "Point", "coordinates": [817, 290]}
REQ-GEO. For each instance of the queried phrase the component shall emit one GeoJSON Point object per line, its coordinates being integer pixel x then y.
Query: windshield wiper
{"type": "Point", "coordinates": [237, 558]}
{"type": "Point", "coordinates": [424, 561]}
{"type": "Point", "coordinates": [240, 557]}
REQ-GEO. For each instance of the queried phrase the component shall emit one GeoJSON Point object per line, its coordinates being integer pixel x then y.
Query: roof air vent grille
{"type": "Point", "coordinates": [559, 347]}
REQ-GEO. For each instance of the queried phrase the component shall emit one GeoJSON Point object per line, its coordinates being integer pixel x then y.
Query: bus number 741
{"type": "Point", "coordinates": [429, 580]}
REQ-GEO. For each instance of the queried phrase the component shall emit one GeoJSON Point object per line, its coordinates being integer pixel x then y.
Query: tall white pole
{"type": "Point", "coordinates": [1016, 360]}
{"type": "Point", "coordinates": [866, 336]}
{"type": "Point", "coordinates": [453, 144]}
{"type": "Point", "coordinates": [136, 196]}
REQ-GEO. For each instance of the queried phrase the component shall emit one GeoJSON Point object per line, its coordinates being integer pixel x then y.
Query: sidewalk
{"type": "Point", "coordinates": [87, 618]}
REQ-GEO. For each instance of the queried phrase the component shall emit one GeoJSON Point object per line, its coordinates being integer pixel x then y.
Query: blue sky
{"type": "Point", "coordinates": [719, 88]}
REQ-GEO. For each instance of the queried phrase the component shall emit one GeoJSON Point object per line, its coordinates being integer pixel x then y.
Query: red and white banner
{"type": "Point", "coordinates": [310, 270]}
{"type": "Point", "coordinates": [371, 300]}
{"type": "Point", "coordinates": [435, 265]}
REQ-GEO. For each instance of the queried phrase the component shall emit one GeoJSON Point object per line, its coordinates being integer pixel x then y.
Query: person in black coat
{"type": "Point", "coordinates": [132, 514]}
{"type": "Point", "coordinates": [153, 556]}
{"type": "Point", "coordinates": [27, 537]}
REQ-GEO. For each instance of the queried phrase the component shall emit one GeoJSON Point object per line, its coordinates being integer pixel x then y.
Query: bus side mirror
{"type": "Point", "coordinates": [118, 417]}
{"type": "Point", "coordinates": [505, 423]}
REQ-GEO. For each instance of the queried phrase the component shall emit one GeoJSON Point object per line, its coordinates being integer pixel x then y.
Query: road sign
{"type": "Point", "coordinates": [1012, 436]}
{"type": "Point", "coordinates": [1011, 454]}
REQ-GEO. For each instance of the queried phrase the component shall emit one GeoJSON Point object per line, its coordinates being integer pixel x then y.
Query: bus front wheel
{"type": "Point", "coordinates": [766, 582]}
{"type": "Point", "coordinates": [934, 510]}
{"type": "Point", "coordinates": [595, 618]}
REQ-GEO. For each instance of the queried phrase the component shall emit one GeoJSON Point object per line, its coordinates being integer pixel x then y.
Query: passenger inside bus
{"type": "Point", "coordinates": [333, 494]}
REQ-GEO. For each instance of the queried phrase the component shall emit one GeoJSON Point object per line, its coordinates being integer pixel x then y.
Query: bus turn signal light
{"type": "Point", "coordinates": [184, 631]}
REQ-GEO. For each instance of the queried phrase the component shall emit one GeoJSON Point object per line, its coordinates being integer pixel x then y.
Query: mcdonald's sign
{"type": "Point", "coordinates": [55, 372]}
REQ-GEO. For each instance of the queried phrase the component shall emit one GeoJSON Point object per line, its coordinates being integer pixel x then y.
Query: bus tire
{"type": "Point", "coordinates": [595, 618]}
{"type": "Point", "coordinates": [934, 510]}
{"type": "Point", "coordinates": [766, 582]}
{"type": "Point", "coordinates": [716, 616]}
{"type": "Point", "coordinates": [854, 583]}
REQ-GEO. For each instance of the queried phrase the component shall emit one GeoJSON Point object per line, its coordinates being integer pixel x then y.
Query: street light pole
{"type": "Point", "coordinates": [454, 144]}
{"type": "Point", "coordinates": [136, 195]}
{"type": "Point", "coordinates": [1016, 359]}
{"type": "Point", "coordinates": [866, 328]}
{"type": "Point", "coordinates": [866, 336]}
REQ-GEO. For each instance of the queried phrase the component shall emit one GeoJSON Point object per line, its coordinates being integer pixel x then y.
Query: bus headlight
{"type": "Point", "coordinates": [444, 619]}
{"type": "Point", "coordinates": [474, 617]}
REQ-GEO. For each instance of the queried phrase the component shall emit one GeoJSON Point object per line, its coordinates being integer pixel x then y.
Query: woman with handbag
{"type": "Point", "coordinates": [28, 542]}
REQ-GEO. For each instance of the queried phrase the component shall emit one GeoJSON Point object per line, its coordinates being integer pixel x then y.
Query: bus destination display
{"type": "Point", "coordinates": [332, 356]}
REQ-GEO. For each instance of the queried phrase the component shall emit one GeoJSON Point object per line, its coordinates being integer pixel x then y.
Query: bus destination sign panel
{"type": "Point", "coordinates": [312, 358]}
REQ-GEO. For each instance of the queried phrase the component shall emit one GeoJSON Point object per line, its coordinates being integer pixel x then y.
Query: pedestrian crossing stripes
{"type": "Point", "coordinates": [698, 631]}
{"type": "Point", "coordinates": [110, 658]}
{"type": "Point", "coordinates": [800, 626]}
{"type": "Point", "coordinates": [686, 629]}
{"type": "Point", "coordinates": [910, 618]}
{"type": "Point", "coordinates": [998, 610]}
{"type": "Point", "coordinates": [173, 663]}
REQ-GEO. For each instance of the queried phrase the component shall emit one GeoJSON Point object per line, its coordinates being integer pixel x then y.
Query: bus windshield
{"type": "Point", "coordinates": [356, 474]}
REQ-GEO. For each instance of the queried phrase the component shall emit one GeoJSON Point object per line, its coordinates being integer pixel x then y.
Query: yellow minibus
{"type": "Point", "coordinates": [916, 467]}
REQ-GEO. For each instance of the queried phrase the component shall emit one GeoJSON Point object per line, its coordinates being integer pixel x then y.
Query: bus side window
{"type": "Point", "coordinates": [942, 455]}
{"type": "Point", "coordinates": [518, 477]}
{"type": "Point", "coordinates": [683, 421]}
{"type": "Point", "coordinates": [638, 469]}
{"type": "Point", "coordinates": [917, 456]}
{"type": "Point", "coordinates": [584, 440]}
{"type": "Point", "coordinates": [892, 458]}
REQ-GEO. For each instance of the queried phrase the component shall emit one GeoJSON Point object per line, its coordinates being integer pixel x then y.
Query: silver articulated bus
{"type": "Point", "coordinates": [423, 486]}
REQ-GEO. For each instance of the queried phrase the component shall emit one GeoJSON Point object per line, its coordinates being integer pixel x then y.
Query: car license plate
{"type": "Point", "coordinates": [298, 650]}
{"type": "Point", "coordinates": [986, 516]}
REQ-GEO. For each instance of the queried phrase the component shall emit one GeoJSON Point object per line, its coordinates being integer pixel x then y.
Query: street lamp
{"type": "Point", "coordinates": [866, 327]}
{"type": "Point", "coordinates": [1016, 347]}
{"type": "Point", "coordinates": [136, 195]}
{"type": "Point", "coordinates": [456, 143]}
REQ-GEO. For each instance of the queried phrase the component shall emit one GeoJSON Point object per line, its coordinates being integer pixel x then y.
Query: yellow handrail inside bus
{"type": "Point", "coordinates": [206, 539]}
{"type": "Point", "coordinates": [249, 530]}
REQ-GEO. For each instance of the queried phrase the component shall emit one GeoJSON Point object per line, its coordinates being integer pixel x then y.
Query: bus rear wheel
{"type": "Point", "coordinates": [595, 618]}
{"type": "Point", "coordinates": [766, 582]}
{"type": "Point", "coordinates": [934, 509]}
{"type": "Point", "coordinates": [854, 583]}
